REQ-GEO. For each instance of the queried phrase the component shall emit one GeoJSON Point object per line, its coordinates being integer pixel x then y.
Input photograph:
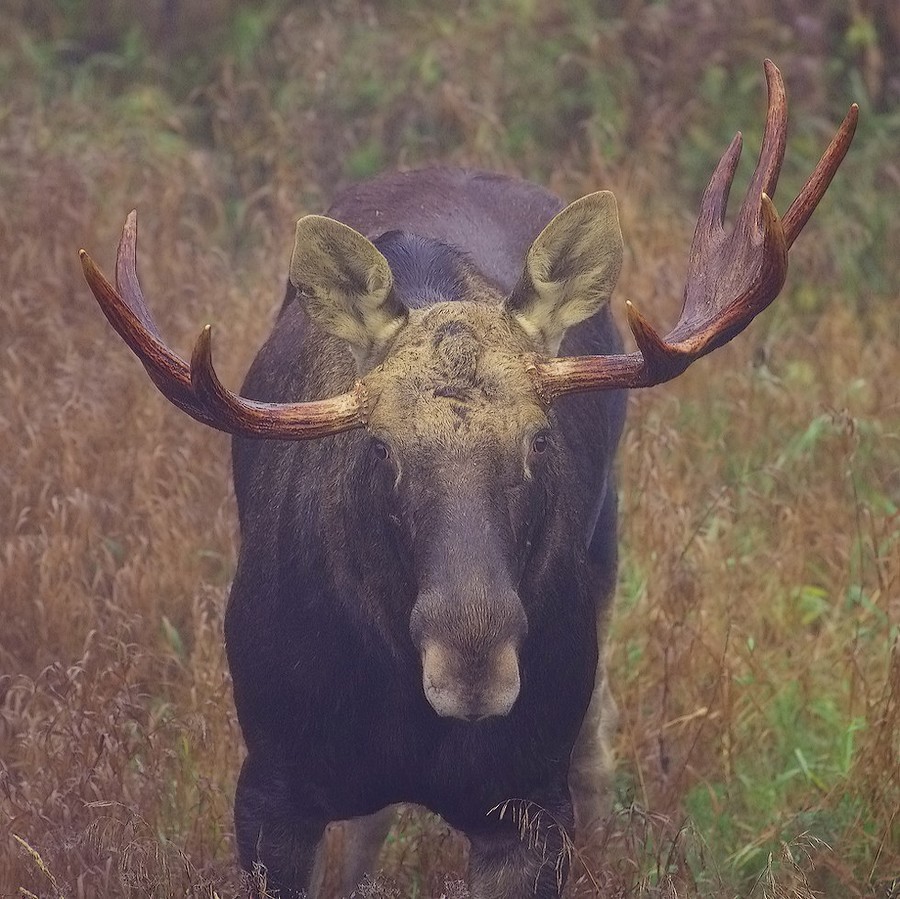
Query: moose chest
{"type": "Point", "coordinates": [380, 742]}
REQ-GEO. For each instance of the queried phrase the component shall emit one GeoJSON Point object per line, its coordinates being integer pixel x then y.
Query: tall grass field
{"type": "Point", "coordinates": [755, 645]}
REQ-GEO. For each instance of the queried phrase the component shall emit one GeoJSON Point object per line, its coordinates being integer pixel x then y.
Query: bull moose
{"type": "Point", "coordinates": [423, 463]}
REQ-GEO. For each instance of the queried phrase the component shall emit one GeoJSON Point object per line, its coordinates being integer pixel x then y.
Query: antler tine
{"type": "Point", "coordinates": [806, 201]}
{"type": "Point", "coordinates": [250, 418]}
{"type": "Point", "coordinates": [771, 153]}
{"type": "Point", "coordinates": [132, 321]}
{"type": "Point", "coordinates": [127, 283]}
{"type": "Point", "coordinates": [713, 206]}
{"type": "Point", "coordinates": [715, 198]}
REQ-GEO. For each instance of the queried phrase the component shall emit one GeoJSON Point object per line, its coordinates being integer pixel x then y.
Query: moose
{"type": "Point", "coordinates": [423, 466]}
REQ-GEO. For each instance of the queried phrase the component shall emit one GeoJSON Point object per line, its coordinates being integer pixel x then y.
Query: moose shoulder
{"type": "Point", "coordinates": [429, 522]}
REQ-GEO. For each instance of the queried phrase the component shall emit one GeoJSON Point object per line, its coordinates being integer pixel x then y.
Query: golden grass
{"type": "Point", "coordinates": [754, 651]}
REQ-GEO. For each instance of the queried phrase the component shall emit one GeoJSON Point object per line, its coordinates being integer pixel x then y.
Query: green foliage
{"type": "Point", "coordinates": [556, 79]}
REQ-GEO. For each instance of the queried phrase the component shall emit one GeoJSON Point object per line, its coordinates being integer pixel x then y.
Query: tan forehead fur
{"type": "Point", "coordinates": [456, 375]}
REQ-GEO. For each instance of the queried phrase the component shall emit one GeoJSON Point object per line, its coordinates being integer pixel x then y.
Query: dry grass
{"type": "Point", "coordinates": [754, 653]}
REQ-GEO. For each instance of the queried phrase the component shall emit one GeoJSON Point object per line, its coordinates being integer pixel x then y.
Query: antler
{"type": "Point", "coordinates": [195, 388]}
{"type": "Point", "coordinates": [731, 277]}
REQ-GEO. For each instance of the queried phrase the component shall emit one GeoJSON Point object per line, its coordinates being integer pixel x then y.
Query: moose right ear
{"type": "Point", "coordinates": [346, 286]}
{"type": "Point", "coordinates": [570, 270]}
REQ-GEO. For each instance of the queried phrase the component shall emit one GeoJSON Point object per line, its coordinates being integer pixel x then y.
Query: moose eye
{"type": "Point", "coordinates": [539, 444]}
{"type": "Point", "coordinates": [380, 448]}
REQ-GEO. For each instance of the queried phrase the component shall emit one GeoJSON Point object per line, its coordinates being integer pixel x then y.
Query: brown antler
{"type": "Point", "coordinates": [195, 388]}
{"type": "Point", "coordinates": [731, 277]}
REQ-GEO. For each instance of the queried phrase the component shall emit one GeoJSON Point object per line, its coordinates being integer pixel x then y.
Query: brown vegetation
{"type": "Point", "coordinates": [755, 648]}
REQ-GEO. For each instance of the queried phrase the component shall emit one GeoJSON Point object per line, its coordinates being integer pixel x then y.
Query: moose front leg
{"type": "Point", "coordinates": [276, 839]}
{"type": "Point", "coordinates": [592, 766]}
{"type": "Point", "coordinates": [527, 855]}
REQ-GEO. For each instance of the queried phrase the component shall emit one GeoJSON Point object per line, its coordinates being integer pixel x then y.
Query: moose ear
{"type": "Point", "coordinates": [346, 286]}
{"type": "Point", "coordinates": [570, 270]}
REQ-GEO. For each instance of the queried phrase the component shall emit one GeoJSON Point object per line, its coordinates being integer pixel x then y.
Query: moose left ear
{"type": "Point", "coordinates": [570, 270]}
{"type": "Point", "coordinates": [346, 286]}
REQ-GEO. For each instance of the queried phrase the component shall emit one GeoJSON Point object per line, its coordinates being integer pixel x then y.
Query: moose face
{"type": "Point", "coordinates": [462, 443]}
{"type": "Point", "coordinates": [458, 430]}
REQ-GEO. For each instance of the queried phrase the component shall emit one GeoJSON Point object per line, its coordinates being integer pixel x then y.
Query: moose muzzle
{"type": "Point", "coordinates": [470, 654]}
{"type": "Point", "coordinates": [461, 685]}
